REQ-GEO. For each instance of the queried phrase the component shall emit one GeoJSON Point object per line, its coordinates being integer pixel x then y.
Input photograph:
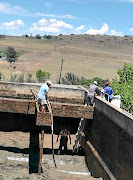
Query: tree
{"type": "Point", "coordinates": [29, 78]}
{"type": "Point", "coordinates": [124, 86]}
{"type": "Point", "coordinates": [48, 37]}
{"type": "Point", "coordinates": [13, 78]}
{"type": "Point", "coordinates": [38, 36]}
{"type": "Point", "coordinates": [21, 78]}
{"type": "Point", "coordinates": [11, 54]}
{"type": "Point", "coordinates": [70, 78]}
{"type": "Point", "coordinates": [87, 82]}
{"type": "Point", "coordinates": [42, 75]}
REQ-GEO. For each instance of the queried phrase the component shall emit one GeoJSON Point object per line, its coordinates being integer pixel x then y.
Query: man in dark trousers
{"type": "Point", "coordinates": [93, 90]}
{"type": "Point", "coordinates": [63, 140]}
{"type": "Point", "coordinates": [108, 92]}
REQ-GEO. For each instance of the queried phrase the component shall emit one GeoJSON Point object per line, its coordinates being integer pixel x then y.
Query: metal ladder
{"type": "Point", "coordinates": [78, 135]}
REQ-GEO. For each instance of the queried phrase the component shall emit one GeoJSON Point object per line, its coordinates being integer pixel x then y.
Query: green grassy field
{"type": "Point", "coordinates": [80, 56]}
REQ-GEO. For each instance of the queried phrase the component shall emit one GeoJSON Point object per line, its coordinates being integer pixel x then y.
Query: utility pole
{"type": "Point", "coordinates": [61, 71]}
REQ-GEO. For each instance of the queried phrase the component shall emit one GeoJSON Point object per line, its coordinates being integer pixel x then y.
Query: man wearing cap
{"type": "Point", "coordinates": [108, 92]}
{"type": "Point", "coordinates": [93, 89]}
{"type": "Point", "coordinates": [43, 95]}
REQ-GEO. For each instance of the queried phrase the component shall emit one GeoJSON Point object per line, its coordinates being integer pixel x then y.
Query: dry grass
{"type": "Point", "coordinates": [81, 58]}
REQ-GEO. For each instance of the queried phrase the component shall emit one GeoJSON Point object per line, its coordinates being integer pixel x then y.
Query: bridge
{"type": "Point", "coordinates": [19, 111]}
{"type": "Point", "coordinates": [108, 134]}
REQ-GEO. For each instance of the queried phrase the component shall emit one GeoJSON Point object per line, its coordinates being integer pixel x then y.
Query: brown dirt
{"type": "Point", "coordinates": [11, 168]}
{"type": "Point", "coordinates": [85, 55]}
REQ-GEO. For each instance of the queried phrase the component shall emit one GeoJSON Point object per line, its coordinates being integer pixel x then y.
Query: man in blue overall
{"type": "Point", "coordinates": [108, 92]}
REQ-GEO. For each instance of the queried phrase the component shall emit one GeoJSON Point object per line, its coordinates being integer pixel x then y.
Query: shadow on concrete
{"type": "Point", "coordinates": [45, 151]}
{"type": "Point", "coordinates": [15, 150]}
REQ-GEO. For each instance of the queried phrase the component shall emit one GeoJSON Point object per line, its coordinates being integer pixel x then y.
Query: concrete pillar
{"type": "Point", "coordinates": [34, 152]}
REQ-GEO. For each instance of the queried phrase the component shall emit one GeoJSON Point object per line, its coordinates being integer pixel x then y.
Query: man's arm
{"type": "Point", "coordinates": [98, 91]}
{"type": "Point", "coordinates": [59, 135]}
{"type": "Point", "coordinates": [105, 91]}
{"type": "Point", "coordinates": [69, 136]}
{"type": "Point", "coordinates": [86, 90]}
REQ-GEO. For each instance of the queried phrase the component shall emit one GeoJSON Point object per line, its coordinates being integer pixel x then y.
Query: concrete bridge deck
{"type": "Point", "coordinates": [110, 131]}
{"type": "Point", "coordinates": [25, 106]}
{"type": "Point", "coordinates": [65, 101]}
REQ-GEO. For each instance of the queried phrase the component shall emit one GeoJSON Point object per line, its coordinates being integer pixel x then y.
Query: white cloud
{"type": "Point", "coordinates": [52, 26]}
{"type": "Point", "coordinates": [17, 10]}
{"type": "Point", "coordinates": [78, 30]}
{"type": "Point", "coordinates": [131, 29]}
{"type": "Point", "coordinates": [115, 33]}
{"type": "Point", "coordinates": [80, 27]}
{"type": "Point", "coordinates": [67, 16]}
{"type": "Point", "coordinates": [104, 29]}
{"type": "Point", "coordinates": [12, 25]}
{"type": "Point", "coordinates": [9, 9]}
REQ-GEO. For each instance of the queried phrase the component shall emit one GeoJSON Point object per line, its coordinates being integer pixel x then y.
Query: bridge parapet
{"type": "Point", "coordinates": [57, 90]}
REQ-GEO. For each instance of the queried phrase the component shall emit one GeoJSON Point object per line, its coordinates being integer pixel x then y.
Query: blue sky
{"type": "Point", "coordinates": [112, 17]}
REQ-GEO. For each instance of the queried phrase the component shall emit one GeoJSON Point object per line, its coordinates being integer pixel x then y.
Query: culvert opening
{"type": "Point", "coordinates": [62, 122]}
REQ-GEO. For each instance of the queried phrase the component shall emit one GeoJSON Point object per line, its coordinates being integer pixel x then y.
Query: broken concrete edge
{"type": "Point", "coordinates": [96, 165]}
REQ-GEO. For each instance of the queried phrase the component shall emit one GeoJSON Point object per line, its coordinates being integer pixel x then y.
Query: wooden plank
{"type": "Point", "coordinates": [41, 152]}
{"type": "Point", "coordinates": [43, 120]}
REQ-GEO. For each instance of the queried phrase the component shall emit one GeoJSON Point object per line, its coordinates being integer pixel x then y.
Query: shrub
{"type": "Point", "coordinates": [38, 36]}
{"type": "Point", "coordinates": [13, 78]}
{"type": "Point", "coordinates": [0, 75]}
{"type": "Point", "coordinates": [21, 78]}
{"type": "Point", "coordinates": [42, 75]}
{"type": "Point", "coordinates": [11, 54]}
{"type": "Point", "coordinates": [48, 37]}
{"type": "Point", "coordinates": [124, 86]}
{"type": "Point", "coordinates": [29, 78]}
{"type": "Point", "coordinates": [70, 78]}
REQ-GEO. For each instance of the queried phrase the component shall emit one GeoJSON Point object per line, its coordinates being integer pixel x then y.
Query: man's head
{"type": "Point", "coordinates": [49, 83]}
{"type": "Point", "coordinates": [107, 83]}
{"type": "Point", "coordinates": [95, 82]}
